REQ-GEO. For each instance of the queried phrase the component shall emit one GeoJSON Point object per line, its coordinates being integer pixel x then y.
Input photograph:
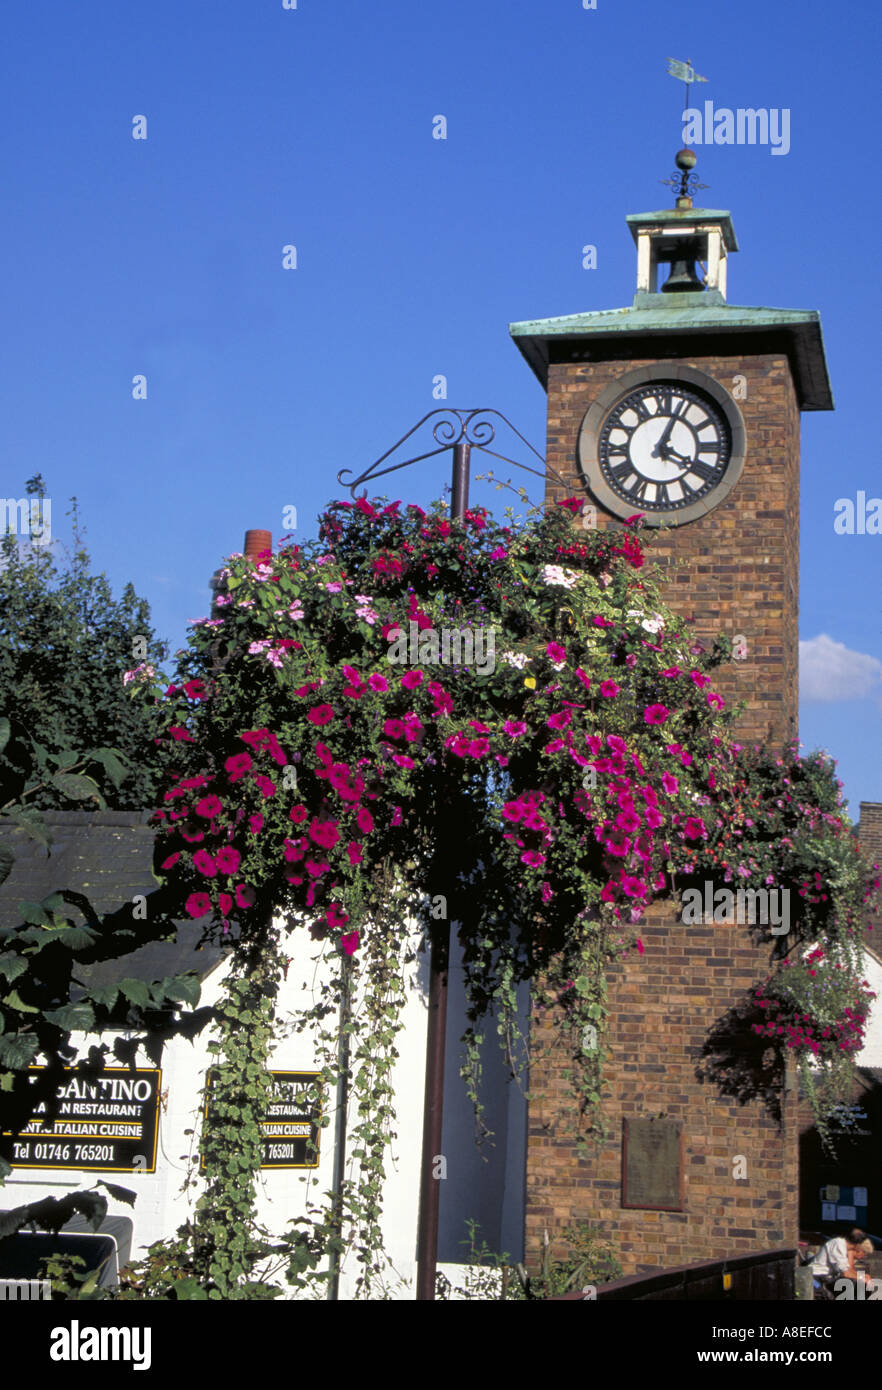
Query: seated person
{"type": "Point", "coordinates": [836, 1260]}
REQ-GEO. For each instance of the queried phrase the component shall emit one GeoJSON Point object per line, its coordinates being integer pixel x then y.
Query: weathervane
{"type": "Point", "coordinates": [684, 181]}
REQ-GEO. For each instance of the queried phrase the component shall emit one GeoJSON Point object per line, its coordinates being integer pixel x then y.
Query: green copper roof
{"type": "Point", "coordinates": [687, 316]}
{"type": "Point", "coordinates": [686, 217]}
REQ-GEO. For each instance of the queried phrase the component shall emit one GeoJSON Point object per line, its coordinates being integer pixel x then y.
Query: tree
{"type": "Point", "coordinates": [66, 647]}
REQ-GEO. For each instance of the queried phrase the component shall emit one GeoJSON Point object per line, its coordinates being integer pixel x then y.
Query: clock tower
{"type": "Point", "coordinates": [686, 409]}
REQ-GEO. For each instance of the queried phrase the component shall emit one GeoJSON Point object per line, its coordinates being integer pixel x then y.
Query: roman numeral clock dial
{"type": "Point", "coordinates": [671, 449]}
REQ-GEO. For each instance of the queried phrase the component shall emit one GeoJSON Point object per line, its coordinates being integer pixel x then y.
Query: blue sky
{"type": "Point", "coordinates": [313, 127]}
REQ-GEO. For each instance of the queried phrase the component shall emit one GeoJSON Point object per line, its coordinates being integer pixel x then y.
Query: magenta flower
{"type": "Point", "coordinates": [479, 747]}
{"type": "Point", "coordinates": [226, 903]}
{"type": "Point", "coordinates": [203, 862]}
{"type": "Point", "coordinates": [320, 714]}
{"type": "Point", "coordinates": [334, 917]}
{"type": "Point", "coordinates": [172, 859]}
{"type": "Point", "coordinates": [294, 850]}
{"type": "Point", "coordinates": [245, 895]}
{"type": "Point", "coordinates": [402, 760]}
{"type": "Point", "coordinates": [227, 859]}
{"type": "Point", "coordinates": [349, 942]}
{"type": "Point", "coordinates": [198, 904]}
{"type": "Point", "coordinates": [237, 766]}
{"type": "Point", "coordinates": [378, 683]}
{"type": "Point", "coordinates": [355, 852]}
{"type": "Point", "coordinates": [533, 858]}
{"type": "Point", "coordinates": [411, 679]}
{"type": "Point", "coordinates": [179, 733]}
{"type": "Point", "coordinates": [670, 784]}
{"type": "Point", "coordinates": [394, 728]}
{"type": "Point", "coordinates": [556, 653]}
{"type": "Point", "coordinates": [655, 714]}
{"type": "Point", "coordinates": [316, 868]}
{"type": "Point", "coordinates": [209, 807]}
{"type": "Point", "coordinates": [324, 833]}
{"type": "Point", "coordinates": [561, 720]}
{"type": "Point", "coordinates": [298, 814]}
{"type": "Point", "coordinates": [584, 677]}
{"type": "Point", "coordinates": [616, 842]}
{"type": "Point", "coordinates": [265, 786]}
{"type": "Point", "coordinates": [364, 820]}
{"type": "Point", "coordinates": [672, 671]}
{"type": "Point", "coordinates": [715, 701]}
{"type": "Point", "coordinates": [628, 821]}
{"type": "Point", "coordinates": [695, 829]}
{"type": "Point", "coordinates": [633, 887]}
{"type": "Point", "coordinates": [499, 553]}
{"type": "Point", "coordinates": [609, 689]}
{"type": "Point", "coordinates": [514, 727]}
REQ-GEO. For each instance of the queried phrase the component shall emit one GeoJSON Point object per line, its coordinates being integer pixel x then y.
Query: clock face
{"type": "Point", "coordinates": [670, 448]}
{"type": "Point", "coordinates": [664, 446]}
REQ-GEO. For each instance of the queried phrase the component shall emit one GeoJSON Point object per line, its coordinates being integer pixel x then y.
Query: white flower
{"type": "Point", "coordinates": [518, 659]}
{"type": "Point", "coordinates": [653, 624]}
{"type": "Point", "coordinates": [555, 574]}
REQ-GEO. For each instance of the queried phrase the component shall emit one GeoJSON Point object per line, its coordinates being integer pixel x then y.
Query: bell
{"type": "Point", "coordinates": [682, 278]}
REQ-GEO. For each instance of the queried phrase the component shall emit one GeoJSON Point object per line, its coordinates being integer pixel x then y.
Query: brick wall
{"type": "Point", "coordinates": [740, 576]}
{"type": "Point", "coordinates": [741, 570]}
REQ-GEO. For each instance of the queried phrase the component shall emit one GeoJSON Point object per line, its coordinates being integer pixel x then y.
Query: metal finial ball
{"type": "Point", "coordinates": [686, 159]}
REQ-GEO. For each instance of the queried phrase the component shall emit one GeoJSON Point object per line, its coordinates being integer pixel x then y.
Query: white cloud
{"type": "Point", "coordinates": [828, 671]}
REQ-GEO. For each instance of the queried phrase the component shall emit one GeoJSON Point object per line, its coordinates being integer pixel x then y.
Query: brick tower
{"type": "Point", "coordinates": [685, 408]}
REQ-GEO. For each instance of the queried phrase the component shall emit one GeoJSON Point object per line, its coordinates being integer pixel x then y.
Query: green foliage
{"type": "Point", "coordinates": [548, 800]}
{"type": "Point", "coordinates": [590, 1260]}
{"type": "Point", "coordinates": [65, 646]}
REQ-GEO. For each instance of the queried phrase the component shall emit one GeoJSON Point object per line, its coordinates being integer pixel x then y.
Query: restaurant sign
{"type": "Point", "coordinates": [108, 1123]}
{"type": "Point", "coordinates": [291, 1122]}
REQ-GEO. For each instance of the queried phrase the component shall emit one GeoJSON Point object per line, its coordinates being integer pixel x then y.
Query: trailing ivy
{"type": "Point", "coordinates": [330, 761]}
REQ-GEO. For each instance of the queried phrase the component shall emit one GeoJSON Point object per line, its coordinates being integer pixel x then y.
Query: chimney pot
{"type": "Point", "coordinates": [257, 541]}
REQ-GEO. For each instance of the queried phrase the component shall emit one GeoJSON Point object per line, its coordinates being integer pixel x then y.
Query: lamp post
{"type": "Point", "coordinates": [460, 431]}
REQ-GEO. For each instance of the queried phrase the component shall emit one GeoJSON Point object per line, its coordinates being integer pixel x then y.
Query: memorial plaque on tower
{"type": "Point", "coordinates": [652, 1164]}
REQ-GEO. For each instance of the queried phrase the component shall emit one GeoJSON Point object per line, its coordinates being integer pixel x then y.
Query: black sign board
{"type": "Point", "coordinates": [291, 1124]}
{"type": "Point", "coordinates": [652, 1164]}
{"type": "Point", "coordinates": [109, 1124]}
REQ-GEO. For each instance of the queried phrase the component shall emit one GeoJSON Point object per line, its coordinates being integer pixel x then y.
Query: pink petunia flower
{"type": "Point", "coordinates": [198, 904]}
{"type": "Point", "coordinates": [609, 689]}
{"type": "Point", "coordinates": [204, 864]}
{"type": "Point", "coordinates": [655, 714]}
{"type": "Point", "coordinates": [237, 766]}
{"type": "Point", "coordinates": [227, 859]}
{"type": "Point", "coordinates": [320, 714]}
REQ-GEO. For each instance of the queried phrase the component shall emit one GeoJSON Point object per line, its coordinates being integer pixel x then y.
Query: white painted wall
{"type": "Point", "coordinates": [491, 1191]}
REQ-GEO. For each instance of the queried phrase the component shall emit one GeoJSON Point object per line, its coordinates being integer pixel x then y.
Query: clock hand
{"type": "Point", "coordinates": [661, 446]}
